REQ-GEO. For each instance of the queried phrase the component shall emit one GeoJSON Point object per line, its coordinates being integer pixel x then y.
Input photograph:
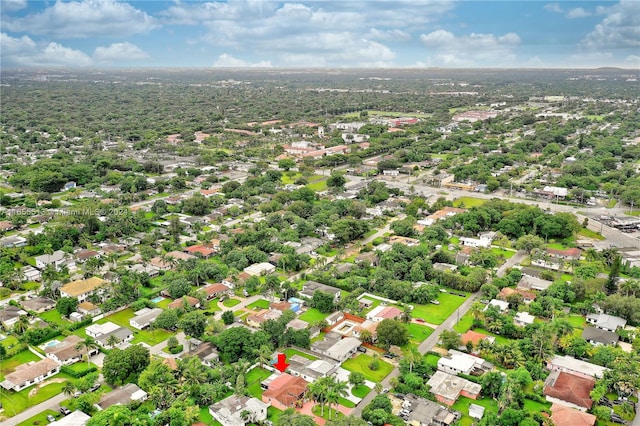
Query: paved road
{"type": "Point", "coordinates": [49, 404]}
{"type": "Point", "coordinates": [434, 338]}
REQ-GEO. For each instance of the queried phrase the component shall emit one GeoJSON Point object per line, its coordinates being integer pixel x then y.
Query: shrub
{"type": "Point", "coordinates": [176, 349]}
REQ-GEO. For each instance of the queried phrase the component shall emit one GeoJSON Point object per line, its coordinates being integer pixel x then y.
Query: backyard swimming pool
{"type": "Point", "coordinates": [157, 299]}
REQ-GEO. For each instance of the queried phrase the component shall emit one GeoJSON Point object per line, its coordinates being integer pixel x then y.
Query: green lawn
{"type": "Point", "coordinates": [9, 342]}
{"type": "Point", "coordinates": [54, 317]}
{"type": "Point", "coordinates": [259, 304]}
{"type": "Point", "coordinates": [229, 303]}
{"type": "Point", "coordinates": [253, 379]}
{"type": "Point", "coordinates": [418, 333]}
{"type": "Point", "coordinates": [312, 315]}
{"type": "Point", "coordinates": [291, 352]}
{"type": "Point", "coordinates": [531, 406]}
{"type": "Point", "coordinates": [9, 365]}
{"type": "Point", "coordinates": [17, 402]}
{"type": "Point", "coordinates": [462, 405]}
{"type": "Point", "coordinates": [436, 314]}
{"type": "Point", "coordinates": [345, 403]}
{"type": "Point", "coordinates": [40, 418]}
{"type": "Point", "coordinates": [150, 337]}
{"type": "Point", "coordinates": [505, 254]}
{"type": "Point", "coordinates": [360, 391]}
{"type": "Point", "coordinates": [318, 186]}
{"type": "Point", "coordinates": [499, 339]}
{"type": "Point", "coordinates": [464, 324]}
{"type": "Point", "coordinates": [468, 202]}
{"type": "Point", "coordinates": [361, 364]}
{"type": "Point", "coordinates": [588, 233]}
{"type": "Point", "coordinates": [432, 360]}
{"type": "Point", "coordinates": [578, 321]}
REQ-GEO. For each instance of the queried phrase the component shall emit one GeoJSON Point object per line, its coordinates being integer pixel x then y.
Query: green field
{"type": "Point", "coordinates": [432, 360]}
{"type": "Point", "coordinates": [206, 417]}
{"type": "Point", "coordinates": [418, 333]}
{"type": "Point", "coordinates": [17, 402]}
{"type": "Point", "coordinates": [361, 364]}
{"type": "Point", "coordinates": [464, 324]}
{"type": "Point", "coordinates": [360, 391]}
{"type": "Point", "coordinates": [253, 379]}
{"type": "Point", "coordinates": [150, 337]}
{"type": "Point", "coordinates": [468, 202]}
{"type": "Point", "coordinates": [588, 233]}
{"type": "Point", "coordinates": [436, 314]}
{"type": "Point", "coordinates": [504, 254]}
{"type": "Point", "coordinates": [499, 339]}
{"type": "Point", "coordinates": [54, 317]}
{"type": "Point", "coordinates": [462, 405]}
{"type": "Point", "coordinates": [259, 304]}
{"type": "Point", "coordinates": [312, 315]}
{"type": "Point", "coordinates": [229, 303]}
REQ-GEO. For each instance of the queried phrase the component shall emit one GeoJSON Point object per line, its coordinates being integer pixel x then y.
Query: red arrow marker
{"type": "Point", "coordinates": [282, 363]}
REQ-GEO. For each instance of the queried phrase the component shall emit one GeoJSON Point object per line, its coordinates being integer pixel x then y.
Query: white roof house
{"type": "Point", "coordinates": [344, 348]}
{"type": "Point", "coordinates": [462, 363]}
{"type": "Point", "coordinates": [55, 258]}
{"type": "Point", "coordinates": [229, 411]}
{"type": "Point", "coordinates": [258, 269]}
{"type": "Point", "coordinates": [95, 330]}
{"type": "Point", "coordinates": [77, 418]}
{"type": "Point", "coordinates": [500, 304]}
{"type": "Point", "coordinates": [523, 318]}
{"type": "Point", "coordinates": [575, 366]}
{"type": "Point", "coordinates": [606, 322]}
{"type": "Point", "coordinates": [144, 317]}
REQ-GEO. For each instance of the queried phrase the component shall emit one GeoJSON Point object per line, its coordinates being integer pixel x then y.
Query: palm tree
{"type": "Point", "coordinates": [406, 314]}
{"type": "Point", "coordinates": [264, 354]}
{"type": "Point", "coordinates": [88, 344]}
{"type": "Point", "coordinates": [377, 388]}
{"type": "Point", "coordinates": [112, 341]}
{"type": "Point", "coordinates": [318, 392]}
{"type": "Point", "coordinates": [68, 389]}
{"type": "Point", "coordinates": [337, 389]}
{"type": "Point", "coordinates": [412, 357]}
{"type": "Point", "coordinates": [193, 373]}
{"type": "Point", "coordinates": [21, 326]}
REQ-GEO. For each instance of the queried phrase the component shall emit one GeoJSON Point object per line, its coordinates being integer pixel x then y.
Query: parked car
{"type": "Point", "coordinates": [362, 349]}
{"type": "Point", "coordinates": [50, 418]}
{"type": "Point", "coordinates": [65, 411]}
{"type": "Point", "coordinates": [94, 387]}
{"type": "Point", "coordinates": [420, 320]}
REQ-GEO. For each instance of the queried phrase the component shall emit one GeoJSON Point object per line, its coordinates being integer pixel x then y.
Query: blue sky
{"type": "Point", "coordinates": [345, 33]}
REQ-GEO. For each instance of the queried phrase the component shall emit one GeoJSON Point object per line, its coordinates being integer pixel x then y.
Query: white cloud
{"type": "Point", "coordinates": [578, 12]}
{"type": "Point", "coordinates": [475, 49]}
{"type": "Point", "coordinates": [13, 5]}
{"type": "Point", "coordinates": [553, 7]}
{"type": "Point", "coordinates": [83, 19]}
{"type": "Point", "coordinates": [393, 35]}
{"type": "Point", "coordinates": [619, 29]}
{"type": "Point", "coordinates": [119, 52]}
{"type": "Point", "coordinates": [633, 60]}
{"type": "Point", "coordinates": [24, 51]}
{"type": "Point", "coordinates": [227, 61]}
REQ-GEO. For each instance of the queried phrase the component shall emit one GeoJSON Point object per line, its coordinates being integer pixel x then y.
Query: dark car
{"type": "Point", "coordinates": [94, 387]}
{"type": "Point", "coordinates": [65, 411]}
{"type": "Point", "coordinates": [362, 349]}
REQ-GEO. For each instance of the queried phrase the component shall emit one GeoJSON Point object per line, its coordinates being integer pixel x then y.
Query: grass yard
{"type": "Point", "coordinates": [312, 315]}
{"type": "Point", "coordinates": [418, 333]}
{"type": "Point", "coordinates": [578, 321]}
{"type": "Point", "coordinates": [17, 402]}
{"type": "Point", "coordinates": [462, 405]}
{"type": "Point", "coordinates": [432, 360]}
{"type": "Point", "coordinates": [346, 403]}
{"type": "Point", "coordinates": [531, 406]}
{"type": "Point", "coordinates": [259, 304]}
{"type": "Point", "coordinates": [40, 418]}
{"type": "Point", "coordinates": [468, 202]}
{"type": "Point", "coordinates": [360, 391]}
{"type": "Point", "coordinates": [499, 339]}
{"type": "Point", "coordinates": [206, 417]}
{"type": "Point", "coordinates": [464, 324]}
{"type": "Point", "coordinates": [54, 317]}
{"type": "Point", "coordinates": [273, 414]}
{"type": "Point", "coordinates": [436, 314]}
{"type": "Point", "coordinates": [230, 303]}
{"type": "Point", "coordinates": [291, 352]}
{"type": "Point", "coordinates": [588, 233]}
{"type": "Point", "coordinates": [9, 342]}
{"type": "Point", "coordinates": [9, 365]}
{"type": "Point", "coordinates": [150, 337]}
{"type": "Point", "coordinates": [361, 364]}
{"type": "Point", "coordinates": [505, 254]}
{"type": "Point", "coordinates": [318, 186]}
{"type": "Point", "coordinates": [253, 379]}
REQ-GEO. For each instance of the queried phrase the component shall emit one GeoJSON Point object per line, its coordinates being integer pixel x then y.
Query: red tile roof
{"type": "Point", "coordinates": [203, 250]}
{"type": "Point", "coordinates": [472, 336]}
{"type": "Point", "coordinates": [178, 303]}
{"type": "Point", "coordinates": [565, 416]}
{"type": "Point", "coordinates": [571, 388]}
{"type": "Point", "coordinates": [287, 389]}
{"type": "Point", "coordinates": [572, 252]}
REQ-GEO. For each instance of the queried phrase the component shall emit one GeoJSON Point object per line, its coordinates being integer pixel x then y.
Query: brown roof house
{"type": "Point", "coordinates": [569, 389]}
{"type": "Point", "coordinates": [562, 415]}
{"type": "Point", "coordinates": [179, 303]}
{"type": "Point", "coordinates": [38, 304]}
{"type": "Point", "coordinates": [29, 374]}
{"type": "Point", "coordinates": [122, 396]}
{"type": "Point", "coordinates": [285, 391]}
{"type": "Point", "coordinates": [82, 289]}
{"type": "Point", "coordinates": [65, 352]}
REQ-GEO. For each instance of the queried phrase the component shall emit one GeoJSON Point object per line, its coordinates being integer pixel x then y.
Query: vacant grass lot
{"type": "Point", "coordinates": [462, 405]}
{"type": "Point", "coordinates": [468, 202]}
{"type": "Point", "coordinates": [312, 315]}
{"type": "Point", "coordinates": [361, 364]}
{"type": "Point", "coordinates": [436, 314]}
{"type": "Point", "coordinates": [259, 304]}
{"type": "Point", "coordinates": [505, 254]}
{"type": "Point", "coordinates": [418, 333]}
{"type": "Point", "coordinates": [150, 337]}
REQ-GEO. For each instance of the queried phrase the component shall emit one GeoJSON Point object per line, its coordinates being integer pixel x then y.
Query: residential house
{"type": "Point", "coordinates": [447, 387]}
{"type": "Point", "coordinates": [122, 396]}
{"type": "Point", "coordinates": [380, 313]}
{"type": "Point", "coordinates": [10, 315]}
{"type": "Point", "coordinates": [606, 322]}
{"type": "Point", "coordinates": [501, 305]}
{"type": "Point", "coordinates": [200, 249]}
{"type": "Point", "coordinates": [310, 370]}
{"type": "Point", "coordinates": [568, 254]}
{"type": "Point", "coordinates": [83, 289]}
{"type": "Point", "coordinates": [475, 242]}
{"type": "Point", "coordinates": [56, 259]}
{"type": "Point", "coordinates": [101, 332]}
{"type": "Point", "coordinates": [406, 241]}
{"type": "Point", "coordinates": [462, 363]}
{"type": "Point", "coordinates": [343, 349]}
{"type": "Point", "coordinates": [475, 338]}
{"type": "Point", "coordinates": [239, 411]}
{"type": "Point", "coordinates": [285, 391]}
{"type": "Point", "coordinates": [256, 320]}
{"type": "Point", "coordinates": [528, 282]}
{"type": "Point", "coordinates": [523, 319]}
{"type": "Point", "coordinates": [561, 415]}
{"type": "Point", "coordinates": [569, 389]}
{"type": "Point", "coordinates": [188, 300]}
{"type": "Point", "coordinates": [144, 318]}
{"type": "Point", "coordinates": [334, 318]}
{"type": "Point", "coordinates": [84, 255]}
{"type": "Point", "coordinates": [297, 324]}
{"type": "Point", "coordinates": [213, 291]}
{"type": "Point", "coordinates": [67, 351]}
{"type": "Point", "coordinates": [179, 256]}
{"type": "Point", "coordinates": [29, 374]}
{"type": "Point", "coordinates": [77, 418]}
{"type": "Point", "coordinates": [205, 351]}
{"type": "Point", "coordinates": [527, 296]}
{"type": "Point", "coordinates": [13, 241]}
{"type": "Point", "coordinates": [576, 367]}
{"type": "Point", "coordinates": [598, 337]}
{"type": "Point", "coordinates": [121, 335]}
{"type": "Point", "coordinates": [38, 304]}
{"type": "Point", "coordinates": [311, 287]}
{"type": "Point", "coordinates": [280, 306]}
{"type": "Point", "coordinates": [260, 269]}
{"type": "Point", "coordinates": [369, 257]}
{"type": "Point", "coordinates": [428, 413]}
{"type": "Point", "coordinates": [31, 274]}
{"type": "Point", "coordinates": [440, 214]}
{"type": "Point", "coordinates": [88, 309]}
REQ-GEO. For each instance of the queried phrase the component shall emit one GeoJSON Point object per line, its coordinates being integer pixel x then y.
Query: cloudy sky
{"type": "Point", "coordinates": [344, 33]}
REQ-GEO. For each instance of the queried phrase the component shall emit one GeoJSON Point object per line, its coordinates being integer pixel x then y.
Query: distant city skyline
{"type": "Point", "coordinates": [320, 34]}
